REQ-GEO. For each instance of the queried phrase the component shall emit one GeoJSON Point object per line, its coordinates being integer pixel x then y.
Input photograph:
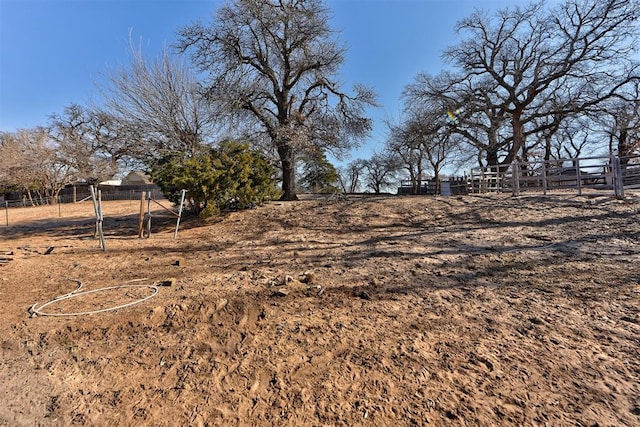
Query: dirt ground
{"type": "Point", "coordinates": [378, 311]}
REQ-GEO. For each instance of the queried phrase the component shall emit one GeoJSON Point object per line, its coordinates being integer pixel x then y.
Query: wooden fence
{"type": "Point", "coordinates": [448, 186]}
{"type": "Point", "coordinates": [608, 173]}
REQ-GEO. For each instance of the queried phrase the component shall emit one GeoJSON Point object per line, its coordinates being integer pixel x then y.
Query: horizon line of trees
{"type": "Point", "coordinates": [524, 83]}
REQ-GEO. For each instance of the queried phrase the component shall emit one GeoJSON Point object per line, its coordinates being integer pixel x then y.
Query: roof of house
{"type": "Point", "coordinates": [136, 177]}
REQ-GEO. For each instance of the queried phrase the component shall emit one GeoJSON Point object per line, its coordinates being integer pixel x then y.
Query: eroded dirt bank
{"type": "Point", "coordinates": [397, 311]}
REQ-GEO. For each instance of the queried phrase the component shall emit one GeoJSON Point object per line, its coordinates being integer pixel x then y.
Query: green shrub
{"type": "Point", "coordinates": [231, 176]}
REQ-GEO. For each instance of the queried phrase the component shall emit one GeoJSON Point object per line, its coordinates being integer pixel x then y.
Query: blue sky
{"type": "Point", "coordinates": [53, 52]}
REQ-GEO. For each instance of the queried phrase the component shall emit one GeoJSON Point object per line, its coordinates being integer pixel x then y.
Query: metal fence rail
{"type": "Point", "coordinates": [605, 173]}
{"type": "Point", "coordinates": [448, 186]}
{"type": "Point", "coordinates": [131, 194]}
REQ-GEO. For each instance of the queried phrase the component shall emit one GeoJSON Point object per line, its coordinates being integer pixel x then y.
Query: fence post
{"type": "Point", "coordinates": [515, 175]}
{"type": "Point", "coordinates": [96, 195]}
{"type": "Point", "coordinates": [95, 208]}
{"type": "Point", "coordinates": [100, 222]}
{"type": "Point", "coordinates": [614, 173]}
{"type": "Point", "coordinates": [483, 183]}
{"type": "Point", "coordinates": [141, 217]}
{"type": "Point", "coordinates": [6, 211]}
{"type": "Point", "coordinates": [579, 177]}
{"type": "Point", "coordinates": [544, 177]}
{"type": "Point", "coordinates": [618, 183]}
{"type": "Point", "coordinates": [149, 195]}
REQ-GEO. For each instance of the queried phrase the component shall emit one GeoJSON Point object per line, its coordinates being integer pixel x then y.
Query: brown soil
{"type": "Point", "coordinates": [475, 310]}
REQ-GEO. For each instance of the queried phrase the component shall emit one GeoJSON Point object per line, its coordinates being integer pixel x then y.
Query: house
{"type": "Point", "coordinates": [136, 178]}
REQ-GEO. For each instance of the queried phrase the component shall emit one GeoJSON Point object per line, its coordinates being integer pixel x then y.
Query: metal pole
{"type": "Point", "coordinates": [148, 213]}
{"type": "Point", "coordinates": [614, 175]}
{"type": "Point", "coordinates": [6, 210]}
{"type": "Point", "coordinates": [100, 221]}
{"type": "Point", "coordinates": [100, 231]}
{"type": "Point", "coordinates": [579, 177]}
{"type": "Point", "coordinates": [175, 233]}
{"type": "Point", "coordinates": [515, 170]}
{"type": "Point", "coordinates": [96, 196]}
{"type": "Point", "coordinates": [95, 207]}
{"type": "Point", "coordinates": [141, 217]}
{"type": "Point", "coordinates": [544, 177]}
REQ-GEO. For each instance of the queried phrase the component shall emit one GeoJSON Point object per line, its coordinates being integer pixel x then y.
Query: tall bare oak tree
{"type": "Point", "coordinates": [273, 64]}
{"type": "Point", "coordinates": [523, 70]}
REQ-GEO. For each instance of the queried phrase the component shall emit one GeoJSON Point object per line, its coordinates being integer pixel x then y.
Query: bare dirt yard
{"type": "Point", "coordinates": [378, 311]}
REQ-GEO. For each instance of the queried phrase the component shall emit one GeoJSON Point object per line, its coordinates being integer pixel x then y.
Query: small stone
{"type": "Point", "coordinates": [171, 281]}
{"type": "Point", "coordinates": [221, 303]}
{"type": "Point", "coordinates": [308, 277]}
{"type": "Point", "coordinates": [282, 292]}
{"type": "Point", "coordinates": [536, 321]}
{"type": "Point", "coordinates": [364, 295]}
{"type": "Point", "coordinates": [286, 279]}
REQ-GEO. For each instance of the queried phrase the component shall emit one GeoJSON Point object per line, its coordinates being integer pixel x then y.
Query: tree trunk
{"type": "Point", "coordinates": [54, 195]}
{"type": "Point", "coordinates": [492, 156]}
{"type": "Point", "coordinates": [518, 138]}
{"type": "Point", "coordinates": [415, 182]}
{"type": "Point", "coordinates": [624, 147]}
{"type": "Point", "coordinates": [547, 148]}
{"type": "Point", "coordinates": [285, 151]}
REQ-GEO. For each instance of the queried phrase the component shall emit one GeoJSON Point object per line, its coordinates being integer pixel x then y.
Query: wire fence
{"type": "Point", "coordinates": [81, 195]}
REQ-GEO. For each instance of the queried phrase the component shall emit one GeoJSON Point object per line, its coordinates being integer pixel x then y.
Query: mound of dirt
{"type": "Point", "coordinates": [474, 310]}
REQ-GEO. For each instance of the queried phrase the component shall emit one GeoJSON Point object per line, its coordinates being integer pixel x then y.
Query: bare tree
{"type": "Point", "coordinates": [16, 166]}
{"type": "Point", "coordinates": [380, 171]}
{"type": "Point", "coordinates": [274, 64]}
{"type": "Point", "coordinates": [32, 162]}
{"type": "Point", "coordinates": [619, 120]}
{"type": "Point", "coordinates": [525, 69]}
{"type": "Point", "coordinates": [350, 175]}
{"type": "Point", "coordinates": [573, 138]}
{"type": "Point", "coordinates": [472, 106]}
{"type": "Point", "coordinates": [409, 153]}
{"type": "Point", "coordinates": [153, 109]}
{"type": "Point", "coordinates": [79, 142]}
{"type": "Point", "coordinates": [428, 130]}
